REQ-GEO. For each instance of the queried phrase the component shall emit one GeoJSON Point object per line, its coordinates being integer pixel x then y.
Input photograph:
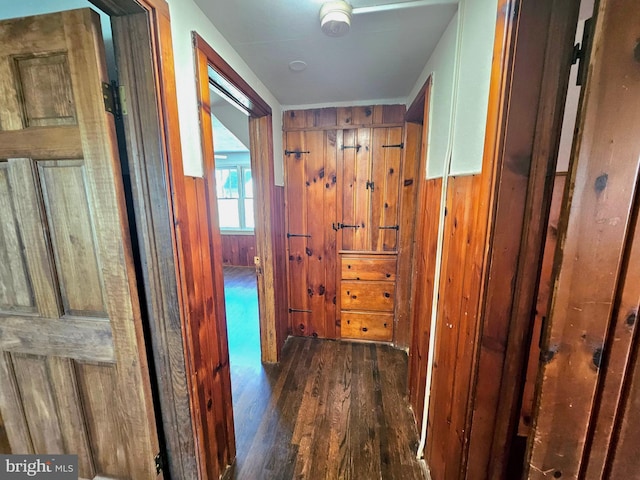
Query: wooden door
{"type": "Point", "coordinates": [586, 417]}
{"type": "Point", "coordinates": [355, 168]}
{"type": "Point", "coordinates": [311, 213]}
{"type": "Point", "coordinates": [73, 368]}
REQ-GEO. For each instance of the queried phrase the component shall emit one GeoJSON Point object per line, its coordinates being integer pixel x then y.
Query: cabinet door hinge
{"type": "Point", "coordinates": [582, 51]}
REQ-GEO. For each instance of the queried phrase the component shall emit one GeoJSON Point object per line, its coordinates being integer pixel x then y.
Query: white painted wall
{"type": "Point", "coordinates": [464, 140]}
{"type": "Point", "coordinates": [186, 17]}
{"type": "Point", "coordinates": [441, 67]}
{"type": "Point", "coordinates": [478, 24]}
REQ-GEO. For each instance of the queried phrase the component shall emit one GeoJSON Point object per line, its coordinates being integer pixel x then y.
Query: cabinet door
{"type": "Point", "coordinates": [386, 153]}
{"type": "Point", "coordinates": [355, 155]}
{"type": "Point", "coordinates": [311, 211]}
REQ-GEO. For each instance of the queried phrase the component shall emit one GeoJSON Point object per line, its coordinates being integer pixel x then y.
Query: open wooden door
{"type": "Point", "coordinates": [588, 393]}
{"type": "Point", "coordinates": [73, 366]}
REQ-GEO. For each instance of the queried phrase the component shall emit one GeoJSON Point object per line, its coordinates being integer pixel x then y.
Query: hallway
{"type": "Point", "coordinates": [330, 409]}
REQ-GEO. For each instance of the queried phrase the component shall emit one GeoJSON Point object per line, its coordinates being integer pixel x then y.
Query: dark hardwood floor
{"type": "Point", "coordinates": [329, 410]}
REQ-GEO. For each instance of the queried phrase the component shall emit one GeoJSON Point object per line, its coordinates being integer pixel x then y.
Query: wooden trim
{"type": "Point", "coordinates": [257, 106]}
{"type": "Point", "coordinates": [212, 327]}
{"type": "Point", "coordinates": [349, 127]}
{"type": "Point", "coordinates": [267, 226]}
{"type": "Point", "coordinates": [193, 463]}
{"type": "Point", "coordinates": [152, 205]}
{"type": "Point", "coordinates": [415, 111]}
{"type": "Point", "coordinates": [514, 218]}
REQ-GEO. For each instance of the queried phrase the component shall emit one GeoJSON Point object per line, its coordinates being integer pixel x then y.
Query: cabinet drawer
{"type": "Point", "coordinates": [367, 326]}
{"type": "Point", "coordinates": [368, 268]}
{"type": "Point", "coordinates": [376, 296]}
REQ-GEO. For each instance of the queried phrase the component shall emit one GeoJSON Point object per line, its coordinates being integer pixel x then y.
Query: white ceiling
{"type": "Point", "coordinates": [379, 59]}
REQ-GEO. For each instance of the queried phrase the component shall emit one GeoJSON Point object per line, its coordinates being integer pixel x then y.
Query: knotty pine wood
{"type": "Point", "coordinates": [238, 250]}
{"type": "Point", "coordinates": [329, 409]}
{"type": "Point", "coordinates": [458, 314]}
{"type": "Point", "coordinates": [311, 210]}
{"type": "Point", "coordinates": [423, 289]}
{"type": "Point", "coordinates": [269, 231]}
{"type": "Point", "coordinates": [407, 220]}
{"type": "Point", "coordinates": [333, 118]}
{"type": "Point", "coordinates": [280, 249]}
{"type": "Point", "coordinates": [523, 197]}
{"type": "Point", "coordinates": [542, 306]}
{"type": "Point", "coordinates": [215, 360]}
{"type": "Point", "coordinates": [613, 446]}
{"type": "Point", "coordinates": [596, 227]}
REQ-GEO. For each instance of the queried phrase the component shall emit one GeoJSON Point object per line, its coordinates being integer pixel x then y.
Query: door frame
{"type": "Point", "coordinates": [159, 175]}
{"type": "Point", "coordinates": [270, 301]}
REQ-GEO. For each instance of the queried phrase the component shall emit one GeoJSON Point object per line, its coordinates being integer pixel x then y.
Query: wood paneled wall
{"type": "Point", "coordinates": [280, 283]}
{"type": "Point", "coordinates": [238, 250]}
{"type": "Point", "coordinates": [424, 269]}
{"type": "Point", "coordinates": [487, 217]}
{"type": "Point", "coordinates": [586, 421]}
{"type": "Point", "coordinates": [336, 144]}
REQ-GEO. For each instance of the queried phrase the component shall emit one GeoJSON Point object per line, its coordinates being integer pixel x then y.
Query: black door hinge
{"type": "Point", "coordinates": [399, 145]}
{"type": "Point", "coordinates": [114, 99]}
{"type": "Point", "coordinates": [582, 51]}
{"type": "Point", "coordinates": [297, 153]}
{"type": "Point", "coordinates": [357, 147]}
{"type": "Point", "coordinates": [159, 461]}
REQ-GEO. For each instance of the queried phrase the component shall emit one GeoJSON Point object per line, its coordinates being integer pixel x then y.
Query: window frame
{"type": "Point", "coordinates": [241, 167]}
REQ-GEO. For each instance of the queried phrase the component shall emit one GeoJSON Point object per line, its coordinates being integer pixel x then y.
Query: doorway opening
{"type": "Point", "coordinates": [236, 219]}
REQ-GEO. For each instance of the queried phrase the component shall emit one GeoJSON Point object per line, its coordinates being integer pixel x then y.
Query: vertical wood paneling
{"type": "Point", "coordinates": [424, 270]}
{"type": "Point", "coordinates": [238, 250]}
{"type": "Point", "coordinates": [542, 306]}
{"type": "Point", "coordinates": [593, 234]}
{"type": "Point", "coordinates": [296, 208]}
{"type": "Point", "coordinates": [280, 250]}
{"type": "Point", "coordinates": [329, 181]}
{"type": "Point", "coordinates": [614, 441]}
{"type": "Point", "coordinates": [457, 315]}
{"type": "Point", "coordinates": [314, 165]}
{"type": "Point", "coordinates": [408, 215]}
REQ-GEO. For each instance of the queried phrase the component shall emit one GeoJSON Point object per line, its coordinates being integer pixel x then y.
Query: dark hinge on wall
{"type": "Point", "coordinates": [370, 185]}
{"type": "Point", "coordinates": [399, 145]}
{"type": "Point", "coordinates": [297, 310]}
{"type": "Point", "coordinates": [114, 99]}
{"type": "Point", "coordinates": [390, 227]}
{"type": "Point", "coordinates": [159, 461]}
{"type": "Point", "coordinates": [582, 51]}
{"type": "Point", "coordinates": [289, 235]}
{"type": "Point", "coordinates": [357, 147]}
{"type": "Point", "coordinates": [297, 153]}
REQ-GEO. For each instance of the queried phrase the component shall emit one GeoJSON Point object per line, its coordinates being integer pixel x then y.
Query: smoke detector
{"type": "Point", "coordinates": [335, 18]}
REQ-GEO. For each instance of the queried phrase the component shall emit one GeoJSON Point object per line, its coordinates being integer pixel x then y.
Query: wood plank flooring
{"type": "Point", "coordinates": [329, 410]}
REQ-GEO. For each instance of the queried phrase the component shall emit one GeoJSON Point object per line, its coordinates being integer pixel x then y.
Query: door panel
{"type": "Point", "coordinates": [385, 173]}
{"type": "Point", "coordinates": [72, 356]}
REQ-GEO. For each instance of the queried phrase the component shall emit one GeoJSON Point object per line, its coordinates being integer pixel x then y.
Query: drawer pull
{"type": "Point", "coordinates": [365, 329]}
{"type": "Point", "coordinates": [387, 295]}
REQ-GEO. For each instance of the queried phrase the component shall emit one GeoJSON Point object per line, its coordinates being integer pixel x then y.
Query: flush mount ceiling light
{"type": "Point", "coordinates": [335, 18]}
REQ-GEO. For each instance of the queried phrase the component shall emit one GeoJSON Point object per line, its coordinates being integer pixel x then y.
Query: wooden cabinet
{"type": "Point", "coordinates": [367, 296]}
{"type": "Point", "coordinates": [343, 181]}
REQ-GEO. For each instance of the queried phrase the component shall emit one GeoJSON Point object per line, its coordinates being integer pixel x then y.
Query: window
{"type": "Point", "coordinates": [234, 185]}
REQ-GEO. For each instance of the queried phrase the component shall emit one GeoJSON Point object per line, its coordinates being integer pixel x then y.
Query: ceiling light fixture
{"type": "Point", "coordinates": [297, 66]}
{"type": "Point", "coordinates": [335, 18]}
